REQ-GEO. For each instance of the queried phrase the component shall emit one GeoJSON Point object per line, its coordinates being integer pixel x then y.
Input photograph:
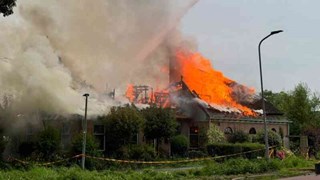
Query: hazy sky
{"type": "Point", "coordinates": [228, 33]}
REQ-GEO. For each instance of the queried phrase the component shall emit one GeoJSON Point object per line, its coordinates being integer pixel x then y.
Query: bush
{"type": "Point", "coordinates": [274, 139]}
{"type": "Point", "coordinates": [196, 154]}
{"type": "Point", "coordinates": [48, 143]}
{"type": "Point", "coordinates": [179, 145]}
{"type": "Point", "coordinates": [26, 148]}
{"type": "Point", "coordinates": [240, 166]}
{"type": "Point", "coordinates": [214, 134]}
{"type": "Point", "coordinates": [91, 149]}
{"type": "Point", "coordinates": [138, 152]}
{"type": "Point", "coordinates": [238, 137]}
{"type": "Point", "coordinates": [91, 145]}
{"type": "Point", "coordinates": [220, 149]}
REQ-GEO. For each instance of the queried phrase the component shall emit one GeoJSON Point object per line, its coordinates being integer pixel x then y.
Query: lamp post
{"type": "Point", "coordinates": [84, 129]}
{"type": "Point", "coordinates": [262, 96]}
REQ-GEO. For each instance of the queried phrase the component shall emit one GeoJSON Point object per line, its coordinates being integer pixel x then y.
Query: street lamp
{"type": "Point", "coordinates": [84, 129]}
{"type": "Point", "coordinates": [262, 96]}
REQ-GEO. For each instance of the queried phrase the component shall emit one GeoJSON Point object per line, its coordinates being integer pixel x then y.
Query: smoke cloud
{"type": "Point", "coordinates": [52, 52]}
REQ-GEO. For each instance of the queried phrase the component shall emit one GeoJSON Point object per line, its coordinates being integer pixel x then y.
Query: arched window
{"type": "Point", "coordinates": [252, 131]}
{"type": "Point", "coordinates": [228, 130]}
{"type": "Point", "coordinates": [274, 130]}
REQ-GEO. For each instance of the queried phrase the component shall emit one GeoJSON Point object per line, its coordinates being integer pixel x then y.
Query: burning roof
{"type": "Point", "coordinates": [195, 83]}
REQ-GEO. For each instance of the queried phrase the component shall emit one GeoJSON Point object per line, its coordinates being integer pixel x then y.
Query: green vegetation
{"type": "Point", "coordinates": [179, 145]}
{"type": "Point", "coordinates": [160, 124]}
{"type": "Point", "coordinates": [274, 139]}
{"type": "Point", "coordinates": [122, 125]}
{"type": "Point", "coordinates": [238, 137]}
{"type": "Point", "coordinates": [48, 143]}
{"type": "Point", "coordinates": [214, 134]}
{"type": "Point", "coordinates": [228, 169]}
{"type": "Point", "coordinates": [220, 149]}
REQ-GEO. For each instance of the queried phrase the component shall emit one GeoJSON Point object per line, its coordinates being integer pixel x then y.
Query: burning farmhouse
{"type": "Point", "coordinates": [200, 95]}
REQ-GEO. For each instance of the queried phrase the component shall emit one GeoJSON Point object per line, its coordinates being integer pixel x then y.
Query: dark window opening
{"type": "Point", "coordinates": [274, 130]}
{"type": "Point", "coordinates": [65, 135]}
{"type": "Point", "coordinates": [194, 138]}
{"type": "Point", "coordinates": [252, 131]}
{"type": "Point", "coordinates": [228, 130]}
{"type": "Point", "coordinates": [99, 134]}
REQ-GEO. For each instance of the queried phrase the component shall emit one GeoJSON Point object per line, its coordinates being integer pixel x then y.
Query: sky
{"type": "Point", "coordinates": [228, 33]}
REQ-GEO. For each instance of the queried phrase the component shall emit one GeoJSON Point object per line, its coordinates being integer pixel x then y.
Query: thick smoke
{"type": "Point", "coordinates": [51, 52]}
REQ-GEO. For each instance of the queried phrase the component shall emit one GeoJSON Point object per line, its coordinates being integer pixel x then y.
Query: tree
{"type": "Point", "coordinates": [6, 7]}
{"type": "Point", "coordinates": [122, 126]}
{"type": "Point", "coordinates": [160, 123]}
{"type": "Point", "coordinates": [48, 143]}
{"type": "Point", "coordinates": [300, 106]}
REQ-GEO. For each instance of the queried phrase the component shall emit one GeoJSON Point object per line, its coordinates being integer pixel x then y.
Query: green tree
{"type": "Point", "coordinates": [300, 106]}
{"type": "Point", "coordinates": [48, 143]}
{"type": "Point", "coordinates": [91, 145]}
{"type": "Point", "coordinates": [122, 126]}
{"type": "Point", "coordinates": [6, 7]}
{"type": "Point", "coordinates": [160, 123]}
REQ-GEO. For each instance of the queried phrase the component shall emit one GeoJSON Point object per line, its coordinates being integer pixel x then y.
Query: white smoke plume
{"type": "Point", "coordinates": [51, 52]}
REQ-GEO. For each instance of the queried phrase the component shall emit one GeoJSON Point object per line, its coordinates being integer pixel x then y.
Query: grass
{"type": "Point", "coordinates": [208, 170]}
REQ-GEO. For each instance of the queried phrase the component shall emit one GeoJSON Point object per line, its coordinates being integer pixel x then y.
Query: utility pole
{"type": "Point", "coordinates": [84, 129]}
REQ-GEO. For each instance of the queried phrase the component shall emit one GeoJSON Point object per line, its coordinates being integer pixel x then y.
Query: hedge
{"type": "Point", "coordinates": [220, 149]}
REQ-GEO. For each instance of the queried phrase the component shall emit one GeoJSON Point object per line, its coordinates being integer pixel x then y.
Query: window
{"type": "Point", "coordinates": [252, 131]}
{"type": "Point", "coordinates": [99, 134]}
{"type": "Point", "coordinates": [274, 130]}
{"type": "Point", "coordinates": [29, 132]}
{"type": "Point", "coordinates": [228, 130]}
{"type": "Point", "coordinates": [194, 138]}
{"type": "Point", "coordinates": [65, 135]}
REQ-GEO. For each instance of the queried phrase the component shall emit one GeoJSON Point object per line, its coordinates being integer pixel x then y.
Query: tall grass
{"type": "Point", "coordinates": [210, 168]}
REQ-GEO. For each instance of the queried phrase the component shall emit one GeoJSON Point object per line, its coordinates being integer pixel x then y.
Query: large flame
{"type": "Point", "coordinates": [130, 92]}
{"type": "Point", "coordinates": [210, 85]}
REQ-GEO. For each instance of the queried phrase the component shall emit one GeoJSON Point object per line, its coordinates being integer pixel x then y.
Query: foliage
{"type": "Point", "coordinates": [240, 166]}
{"type": "Point", "coordinates": [138, 152]}
{"type": "Point", "coordinates": [160, 123]}
{"type": "Point", "coordinates": [2, 143]}
{"type": "Point", "coordinates": [179, 145]}
{"type": "Point", "coordinates": [196, 154]}
{"type": "Point", "coordinates": [274, 139]}
{"type": "Point", "coordinates": [48, 143]}
{"type": "Point", "coordinates": [6, 7]}
{"type": "Point", "coordinates": [26, 148]}
{"type": "Point", "coordinates": [214, 134]}
{"type": "Point", "coordinates": [210, 170]}
{"type": "Point", "coordinates": [91, 145]}
{"type": "Point", "coordinates": [220, 149]}
{"type": "Point", "coordinates": [122, 125]}
{"type": "Point", "coordinates": [300, 106]}
{"type": "Point", "coordinates": [238, 137]}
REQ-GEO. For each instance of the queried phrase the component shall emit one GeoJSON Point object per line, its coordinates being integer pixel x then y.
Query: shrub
{"type": "Point", "coordinates": [214, 134]}
{"type": "Point", "coordinates": [219, 149]}
{"type": "Point", "coordinates": [179, 145]}
{"type": "Point", "coordinates": [91, 149]}
{"type": "Point", "coordinates": [48, 143]}
{"type": "Point", "coordinates": [196, 154]}
{"type": "Point", "coordinates": [138, 152]}
{"type": "Point", "coordinates": [274, 139]}
{"type": "Point", "coordinates": [91, 145]}
{"type": "Point", "coordinates": [26, 148]}
{"type": "Point", "coordinates": [238, 137]}
{"type": "Point", "coordinates": [240, 166]}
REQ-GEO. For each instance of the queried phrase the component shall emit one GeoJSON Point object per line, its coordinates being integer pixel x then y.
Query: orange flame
{"type": "Point", "coordinates": [130, 92]}
{"type": "Point", "coordinates": [209, 84]}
